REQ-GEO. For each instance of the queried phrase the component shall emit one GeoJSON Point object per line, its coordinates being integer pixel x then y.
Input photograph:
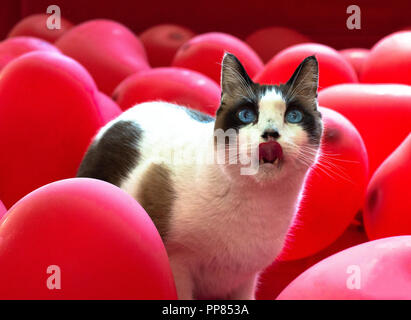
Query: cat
{"type": "Point", "coordinates": [221, 224]}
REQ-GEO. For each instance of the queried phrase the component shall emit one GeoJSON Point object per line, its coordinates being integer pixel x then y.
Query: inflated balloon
{"type": "Point", "coordinates": [36, 26]}
{"type": "Point", "coordinates": [109, 109]}
{"type": "Point", "coordinates": [388, 205]}
{"type": "Point", "coordinates": [333, 68]}
{"type": "Point", "coordinates": [389, 60]}
{"type": "Point", "coordinates": [15, 47]}
{"type": "Point", "coordinates": [381, 113]}
{"type": "Point", "coordinates": [49, 113]}
{"type": "Point", "coordinates": [334, 191]}
{"type": "Point", "coordinates": [204, 54]}
{"type": "Point", "coordinates": [356, 57]}
{"type": "Point", "coordinates": [3, 210]}
{"type": "Point", "coordinates": [280, 273]}
{"type": "Point", "coordinates": [267, 42]}
{"type": "Point", "coordinates": [107, 49]}
{"type": "Point", "coordinates": [162, 42]}
{"type": "Point", "coordinates": [82, 239]}
{"type": "Point", "coordinates": [176, 85]}
{"type": "Point", "coordinates": [378, 269]}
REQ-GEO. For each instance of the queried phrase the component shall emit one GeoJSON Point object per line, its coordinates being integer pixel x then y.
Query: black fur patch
{"type": "Point", "coordinates": [113, 156]}
{"type": "Point", "coordinates": [227, 118]}
{"type": "Point", "coordinates": [311, 121]}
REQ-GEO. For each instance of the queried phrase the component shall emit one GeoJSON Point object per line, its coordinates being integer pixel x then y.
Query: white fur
{"type": "Point", "coordinates": [225, 228]}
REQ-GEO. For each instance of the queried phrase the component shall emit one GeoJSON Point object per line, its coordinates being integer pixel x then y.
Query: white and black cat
{"type": "Point", "coordinates": [220, 226]}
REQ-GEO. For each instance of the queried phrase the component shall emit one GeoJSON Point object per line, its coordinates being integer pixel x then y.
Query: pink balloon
{"type": "Point", "coordinates": [101, 240]}
{"type": "Point", "coordinates": [377, 269]}
{"type": "Point", "coordinates": [109, 109]}
{"type": "Point", "coordinates": [15, 47]}
{"type": "Point", "coordinates": [280, 273]}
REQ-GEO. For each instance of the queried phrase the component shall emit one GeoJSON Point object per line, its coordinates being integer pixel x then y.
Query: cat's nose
{"type": "Point", "coordinates": [270, 134]}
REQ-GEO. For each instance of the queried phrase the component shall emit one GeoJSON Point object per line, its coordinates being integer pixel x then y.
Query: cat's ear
{"type": "Point", "coordinates": [235, 81]}
{"type": "Point", "coordinates": [303, 84]}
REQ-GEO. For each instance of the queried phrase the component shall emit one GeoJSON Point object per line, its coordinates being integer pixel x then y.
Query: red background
{"type": "Point", "coordinates": [323, 20]}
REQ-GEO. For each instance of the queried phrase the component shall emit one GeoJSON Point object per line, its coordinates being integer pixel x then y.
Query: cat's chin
{"type": "Point", "coordinates": [262, 174]}
{"type": "Point", "coordinates": [277, 164]}
{"type": "Point", "coordinates": [279, 171]}
{"type": "Point", "coordinates": [269, 173]}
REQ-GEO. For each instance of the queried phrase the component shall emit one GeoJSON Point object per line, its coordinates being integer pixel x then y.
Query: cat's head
{"type": "Point", "coordinates": [279, 126]}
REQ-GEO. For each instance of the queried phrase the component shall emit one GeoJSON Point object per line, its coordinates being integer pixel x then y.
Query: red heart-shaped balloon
{"type": "Point", "coordinates": [381, 113]}
{"type": "Point", "coordinates": [388, 205]}
{"type": "Point", "coordinates": [82, 239]}
{"type": "Point", "coordinates": [49, 112]}
{"type": "Point", "coordinates": [175, 85]}
{"type": "Point", "coordinates": [107, 49]}
{"type": "Point", "coordinates": [334, 192]}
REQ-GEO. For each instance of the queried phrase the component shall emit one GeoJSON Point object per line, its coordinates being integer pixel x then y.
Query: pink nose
{"type": "Point", "coordinates": [270, 151]}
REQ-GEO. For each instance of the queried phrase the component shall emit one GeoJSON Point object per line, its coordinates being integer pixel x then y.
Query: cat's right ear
{"type": "Point", "coordinates": [235, 81]}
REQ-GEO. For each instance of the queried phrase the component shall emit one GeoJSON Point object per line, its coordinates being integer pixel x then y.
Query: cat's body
{"type": "Point", "coordinates": [220, 228]}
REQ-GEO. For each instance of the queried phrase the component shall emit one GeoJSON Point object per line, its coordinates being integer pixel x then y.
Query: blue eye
{"type": "Point", "coordinates": [294, 116]}
{"type": "Point", "coordinates": [247, 115]}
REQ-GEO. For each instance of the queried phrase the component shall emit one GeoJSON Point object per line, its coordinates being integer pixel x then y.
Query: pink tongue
{"type": "Point", "coordinates": [270, 151]}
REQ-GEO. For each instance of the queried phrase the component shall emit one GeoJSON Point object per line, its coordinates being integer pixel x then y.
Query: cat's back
{"type": "Point", "coordinates": [146, 133]}
{"type": "Point", "coordinates": [162, 118]}
{"type": "Point", "coordinates": [152, 115]}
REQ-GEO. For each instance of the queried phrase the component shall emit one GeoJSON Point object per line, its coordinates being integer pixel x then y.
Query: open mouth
{"type": "Point", "coordinates": [270, 152]}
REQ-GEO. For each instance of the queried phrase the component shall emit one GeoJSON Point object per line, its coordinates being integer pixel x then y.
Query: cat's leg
{"type": "Point", "coordinates": [182, 278]}
{"type": "Point", "coordinates": [245, 291]}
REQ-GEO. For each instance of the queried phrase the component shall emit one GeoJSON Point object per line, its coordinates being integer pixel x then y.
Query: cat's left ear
{"type": "Point", "coordinates": [303, 84]}
{"type": "Point", "coordinates": [235, 81]}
